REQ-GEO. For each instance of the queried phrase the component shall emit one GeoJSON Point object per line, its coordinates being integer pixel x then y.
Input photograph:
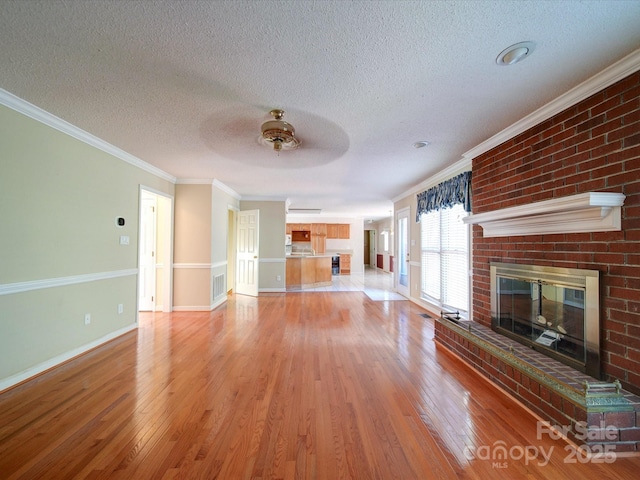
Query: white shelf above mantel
{"type": "Point", "coordinates": [584, 212]}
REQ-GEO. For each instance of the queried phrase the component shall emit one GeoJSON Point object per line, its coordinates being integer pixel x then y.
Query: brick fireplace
{"type": "Point", "coordinates": [593, 146]}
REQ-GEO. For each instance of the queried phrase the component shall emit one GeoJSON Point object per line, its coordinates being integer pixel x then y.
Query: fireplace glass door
{"type": "Point", "coordinates": [547, 311]}
{"type": "Point", "coordinates": [548, 315]}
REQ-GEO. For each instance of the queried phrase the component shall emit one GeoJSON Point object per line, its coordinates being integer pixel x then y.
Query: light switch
{"type": "Point", "coordinates": [124, 240]}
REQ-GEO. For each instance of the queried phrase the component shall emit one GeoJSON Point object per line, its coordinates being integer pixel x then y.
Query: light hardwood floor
{"type": "Point", "coordinates": [318, 385]}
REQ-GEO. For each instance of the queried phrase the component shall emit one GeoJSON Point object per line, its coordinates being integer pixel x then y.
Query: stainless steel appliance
{"type": "Point", "coordinates": [335, 265]}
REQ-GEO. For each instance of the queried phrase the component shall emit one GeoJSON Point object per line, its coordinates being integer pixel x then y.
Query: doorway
{"type": "Point", "coordinates": [366, 253]}
{"type": "Point", "coordinates": [372, 248]}
{"type": "Point", "coordinates": [155, 247]}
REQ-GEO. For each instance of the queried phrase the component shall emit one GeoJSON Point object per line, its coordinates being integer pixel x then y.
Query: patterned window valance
{"type": "Point", "coordinates": [451, 192]}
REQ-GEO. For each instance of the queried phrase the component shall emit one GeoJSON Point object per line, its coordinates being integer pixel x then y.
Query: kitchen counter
{"type": "Point", "coordinates": [307, 271]}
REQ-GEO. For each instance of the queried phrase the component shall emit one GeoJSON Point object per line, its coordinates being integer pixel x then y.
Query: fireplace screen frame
{"type": "Point", "coordinates": [570, 280]}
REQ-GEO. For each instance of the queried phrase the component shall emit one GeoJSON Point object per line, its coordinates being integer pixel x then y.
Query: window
{"type": "Point", "coordinates": [445, 258]}
{"type": "Point", "coordinates": [385, 240]}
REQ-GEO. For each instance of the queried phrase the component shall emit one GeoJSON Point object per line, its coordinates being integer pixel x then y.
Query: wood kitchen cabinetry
{"type": "Point", "coordinates": [338, 230]}
{"type": "Point", "coordinates": [318, 237]}
{"type": "Point", "coordinates": [345, 264]}
{"type": "Point", "coordinates": [308, 272]}
{"type": "Point", "coordinates": [298, 227]}
{"type": "Point", "coordinates": [319, 233]}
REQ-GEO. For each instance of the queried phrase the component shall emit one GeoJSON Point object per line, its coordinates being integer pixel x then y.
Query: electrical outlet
{"type": "Point", "coordinates": [279, 277]}
{"type": "Point", "coordinates": [120, 308]}
{"type": "Point", "coordinates": [87, 318]}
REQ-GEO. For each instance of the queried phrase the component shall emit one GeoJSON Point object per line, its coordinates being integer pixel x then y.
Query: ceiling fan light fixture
{"type": "Point", "coordinates": [278, 133]}
{"type": "Point", "coordinates": [515, 53]}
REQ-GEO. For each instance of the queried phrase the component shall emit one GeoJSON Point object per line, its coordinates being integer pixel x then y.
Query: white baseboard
{"type": "Point", "coordinates": [200, 308]}
{"type": "Point", "coordinates": [9, 382]}
{"type": "Point", "coordinates": [192, 308]}
{"type": "Point", "coordinates": [219, 302]}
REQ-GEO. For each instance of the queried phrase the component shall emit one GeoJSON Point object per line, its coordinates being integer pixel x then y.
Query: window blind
{"type": "Point", "coordinates": [445, 258]}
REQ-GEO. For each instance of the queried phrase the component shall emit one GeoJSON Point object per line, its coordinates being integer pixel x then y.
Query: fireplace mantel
{"type": "Point", "coordinates": [584, 212]}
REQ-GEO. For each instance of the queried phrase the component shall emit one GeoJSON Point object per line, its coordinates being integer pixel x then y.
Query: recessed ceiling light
{"type": "Point", "coordinates": [420, 144]}
{"type": "Point", "coordinates": [515, 53]}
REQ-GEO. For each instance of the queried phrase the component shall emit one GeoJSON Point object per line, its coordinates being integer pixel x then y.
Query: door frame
{"type": "Point", "coordinates": [164, 235]}
{"type": "Point", "coordinates": [147, 242]}
{"type": "Point", "coordinates": [232, 245]}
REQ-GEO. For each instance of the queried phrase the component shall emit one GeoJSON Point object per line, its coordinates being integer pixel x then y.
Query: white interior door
{"type": "Point", "coordinates": [147, 271]}
{"type": "Point", "coordinates": [373, 261]}
{"type": "Point", "coordinates": [247, 253]}
{"type": "Point", "coordinates": [402, 236]}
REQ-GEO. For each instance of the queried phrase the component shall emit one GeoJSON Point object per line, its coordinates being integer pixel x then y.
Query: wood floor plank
{"type": "Point", "coordinates": [284, 386]}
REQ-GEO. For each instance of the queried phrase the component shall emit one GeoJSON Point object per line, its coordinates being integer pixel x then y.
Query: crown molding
{"type": "Point", "coordinates": [258, 198]}
{"type": "Point", "coordinates": [207, 181]}
{"type": "Point", "coordinates": [194, 181]}
{"type": "Point", "coordinates": [36, 113]}
{"type": "Point", "coordinates": [228, 190]}
{"type": "Point", "coordinates": [619, 70]}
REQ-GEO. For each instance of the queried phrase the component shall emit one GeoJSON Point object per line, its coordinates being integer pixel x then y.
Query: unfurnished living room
{"type": "Point", "coordinates": [274, 239]}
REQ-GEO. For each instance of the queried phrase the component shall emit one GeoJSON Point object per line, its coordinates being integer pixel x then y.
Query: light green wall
{"type": "Point", "coordinates": [59, 200]}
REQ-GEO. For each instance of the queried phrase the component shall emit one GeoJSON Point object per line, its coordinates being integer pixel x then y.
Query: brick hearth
{"type": "Point", "coordinates": [550, 389]}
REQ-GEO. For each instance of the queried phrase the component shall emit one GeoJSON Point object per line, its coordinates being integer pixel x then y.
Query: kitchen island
{"type": "Point", "coordinates": [308, 271]}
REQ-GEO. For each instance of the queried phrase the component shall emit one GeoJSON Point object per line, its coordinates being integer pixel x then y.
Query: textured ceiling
{"type": "Point", "coordinates": [184, 85]}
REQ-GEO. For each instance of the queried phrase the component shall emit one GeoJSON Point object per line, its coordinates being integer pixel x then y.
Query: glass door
{"type": "Point", "coordinates": [403, 253]}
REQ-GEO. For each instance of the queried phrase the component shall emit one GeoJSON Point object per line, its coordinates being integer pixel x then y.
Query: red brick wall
{"type": "Point", "coordinates": [592, 146]}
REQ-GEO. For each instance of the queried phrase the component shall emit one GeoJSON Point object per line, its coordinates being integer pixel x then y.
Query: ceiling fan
{"type": "Point", "coordinates": [277, 132]}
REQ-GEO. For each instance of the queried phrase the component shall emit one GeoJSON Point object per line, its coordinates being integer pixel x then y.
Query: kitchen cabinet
{"type": "Point", "coordinates": [300, 236]}
{"type": "Point", "coordinates": [338, 230]}
{"type": "Point", "coordinates": [308, 272]}
{"type": "Point", "coordinates": [344, 230]}
{"type": "Point", "coordinates": [318, 237]}
{"type": "Point", "coordinates": [345, 263]}
{"type": "Point", "coordinates": [320, 232]}
{"type": "Point", "coordinates": [298, 227]}
{"type": "Point", "coordinates": [332, 230]}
